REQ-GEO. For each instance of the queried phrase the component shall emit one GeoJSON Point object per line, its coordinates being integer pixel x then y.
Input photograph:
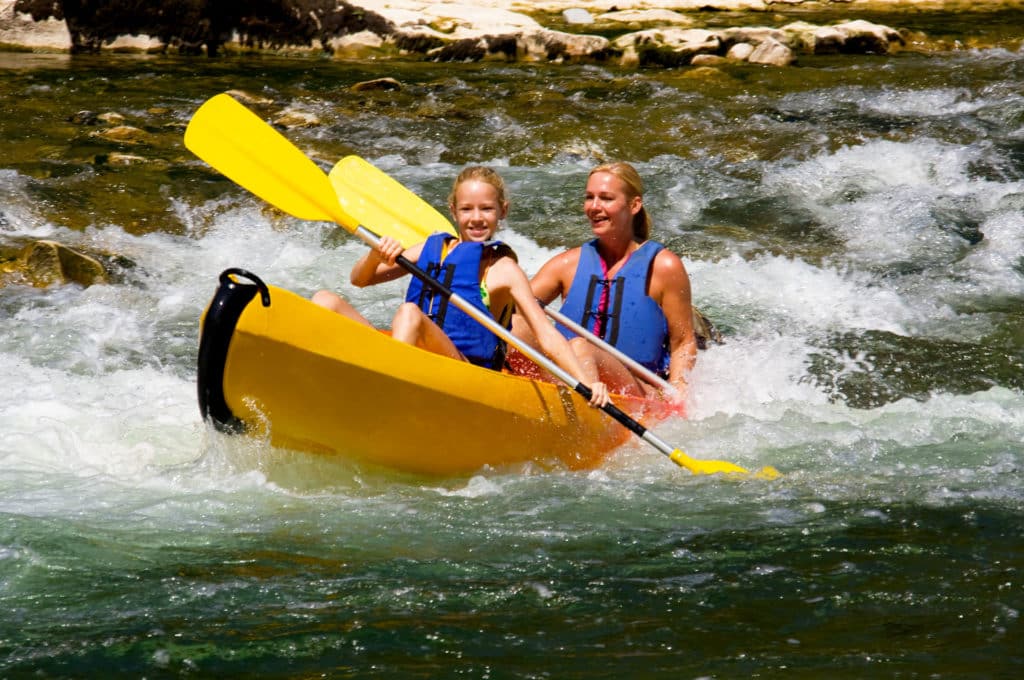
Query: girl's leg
{"type": "Point", "coordinates": [413, 327]}
{"type": "Point", "coordinates": [336, 303]}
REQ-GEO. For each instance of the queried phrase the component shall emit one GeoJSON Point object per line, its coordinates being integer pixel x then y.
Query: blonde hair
{"type": "Point", "coordinates": [481, 174]}
{"type": "Point", "coordinates": [634, 188]}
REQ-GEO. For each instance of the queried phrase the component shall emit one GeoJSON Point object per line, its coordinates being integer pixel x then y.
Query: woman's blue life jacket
{"type": "Point", "coordinates": [460, 273]}
{"type": "Point", "coordinates": [631, 321]}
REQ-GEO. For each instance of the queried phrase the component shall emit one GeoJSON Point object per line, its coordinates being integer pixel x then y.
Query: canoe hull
{"type": "Point", "coordinates": [316, 381]}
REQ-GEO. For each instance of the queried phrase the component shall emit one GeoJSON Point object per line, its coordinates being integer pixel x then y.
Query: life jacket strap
{"type": "Point", "coordinates": [428, 298]}
{"type": "Point", "coordinates": [609, 307]}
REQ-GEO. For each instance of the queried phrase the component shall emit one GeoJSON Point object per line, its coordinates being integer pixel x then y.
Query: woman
{"type": "Point", "coordinates": [481, 271]}
{"type": "Point", "coordinates": [628, 290]}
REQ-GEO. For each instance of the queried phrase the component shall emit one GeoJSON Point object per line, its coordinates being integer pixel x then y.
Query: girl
{"type": "Point", "coordinates": [481, 271]}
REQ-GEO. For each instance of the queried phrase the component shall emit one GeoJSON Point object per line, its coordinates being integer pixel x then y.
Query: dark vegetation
{"type": "Point", "coordinates": [190, 26]}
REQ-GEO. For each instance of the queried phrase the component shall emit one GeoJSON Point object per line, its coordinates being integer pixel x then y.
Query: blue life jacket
{"type": "Point", "coordinates": [633, 322]}
{"type": "Point", "coordinates": [460, 273]}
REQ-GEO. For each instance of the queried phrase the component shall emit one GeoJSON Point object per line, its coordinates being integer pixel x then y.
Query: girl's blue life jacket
{"type": "Point", "coordinates": [459, 271]}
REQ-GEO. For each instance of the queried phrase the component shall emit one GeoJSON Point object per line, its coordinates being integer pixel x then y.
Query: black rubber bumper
{"type": "Point", "coordinates": [230, 300]}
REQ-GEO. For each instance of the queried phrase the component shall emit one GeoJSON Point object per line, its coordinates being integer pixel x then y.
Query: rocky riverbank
{"type": "Point", "coordinates": [666, 33]}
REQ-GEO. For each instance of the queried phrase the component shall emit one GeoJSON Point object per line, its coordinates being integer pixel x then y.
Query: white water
{"type": "Point", "coordinates": [99, 382]}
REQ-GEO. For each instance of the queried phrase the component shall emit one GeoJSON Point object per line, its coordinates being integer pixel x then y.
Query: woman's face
{"type": "Point", "coordinates": [477, 210]}
{"type": "Point", "coordinates": [608, 206]}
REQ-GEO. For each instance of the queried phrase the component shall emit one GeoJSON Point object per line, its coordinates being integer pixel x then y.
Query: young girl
{"type": "Point", "coordinates": [481, 271]}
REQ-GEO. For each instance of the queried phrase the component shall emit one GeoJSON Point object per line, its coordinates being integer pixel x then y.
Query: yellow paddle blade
{"type": "Point", "coordinates": [248, 151]}
{"type": "Point", "coordinates": [713, 467]}
{"type": "Point", "coordinates": [381, 203]}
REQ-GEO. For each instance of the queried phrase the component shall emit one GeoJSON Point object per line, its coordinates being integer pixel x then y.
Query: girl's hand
{"type": "Point", "coordinates": [388, 249]}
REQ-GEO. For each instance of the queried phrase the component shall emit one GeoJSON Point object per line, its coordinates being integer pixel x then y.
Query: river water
{"type": "Point", "coordinates": [854, 225]}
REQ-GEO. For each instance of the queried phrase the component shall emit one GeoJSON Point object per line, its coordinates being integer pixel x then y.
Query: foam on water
{"type": "Point", "coordinates": [104, 379]}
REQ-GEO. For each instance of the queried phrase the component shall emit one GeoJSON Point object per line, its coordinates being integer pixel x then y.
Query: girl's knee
{"type": "Point", "coordinates": [407, 314]}
{"type": "Point", "coordinates": [325, 298]}
{"type": "Point", "coordinates": [407, 324]}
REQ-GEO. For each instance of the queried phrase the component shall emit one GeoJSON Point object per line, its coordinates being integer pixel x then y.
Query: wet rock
{"type": "Point", "coordinates": [84, 118]}
{"type": "Point", "coordinates": [111, 118]}
{"type": "Point", "coordinates": [771, 52]}
{"type": "Point", "coordinates": [705, 330]}
{"type": "Point", "coordinates": [705, 73]}
{"type": "Point", "coordinates": [48, 262]}
{"type": "Point", "coordinates": [708, 60]}
{"type": "Point", "coordinates": [377, 84]}
{"type": "Point", "coordinates": [293, 118]}
{"type": "Point", "coordinates": [123, 134]}
{"type": "Point", "coordinates": [121, 159]}
{"type": "Point", "coordinates": [249, 98]}
{"type": "Point", "coordinates": [739, 52]}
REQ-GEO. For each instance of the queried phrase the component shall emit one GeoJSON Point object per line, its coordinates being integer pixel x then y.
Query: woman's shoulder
{"type": "Point", "coordinates": [668, 261]}
{"type": "Point", "coordinates": [567, 258]}
{"type": "Point", "coordinates": [668, 273]}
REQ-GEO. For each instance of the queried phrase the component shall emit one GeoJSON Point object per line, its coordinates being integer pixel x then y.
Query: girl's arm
{"type": "Point", "coordinates": [505, 273]}
{"type": "Point", "coordinates": [379, 264]}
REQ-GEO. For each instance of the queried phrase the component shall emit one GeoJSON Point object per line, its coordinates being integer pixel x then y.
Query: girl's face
{"type": "Point", "coordinates": [477, 210]}
{"type": "Point", "coordinates": [607, 204]}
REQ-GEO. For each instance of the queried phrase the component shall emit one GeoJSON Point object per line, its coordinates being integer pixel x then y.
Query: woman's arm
{"type": "Point", "coordinates": [670, 288]}
{"type": "Point", "coordinates": [553, 278]}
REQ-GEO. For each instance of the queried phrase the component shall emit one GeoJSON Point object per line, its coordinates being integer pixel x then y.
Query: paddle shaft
{"type": "Point", "coordinates": [630, 363]}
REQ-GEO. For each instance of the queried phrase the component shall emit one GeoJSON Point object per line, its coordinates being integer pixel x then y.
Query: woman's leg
{"type": "Point", "coordinates": [612, 372]}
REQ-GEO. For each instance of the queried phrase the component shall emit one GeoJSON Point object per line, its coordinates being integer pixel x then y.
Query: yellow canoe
{"type": "Point", "coordinates": [273, 363]}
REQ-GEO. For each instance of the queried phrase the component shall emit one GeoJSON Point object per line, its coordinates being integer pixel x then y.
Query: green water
{"type": "Point", "coordinates": [855, 225]}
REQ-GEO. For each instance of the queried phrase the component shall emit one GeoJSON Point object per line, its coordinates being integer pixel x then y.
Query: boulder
{"type": "Point", "coordinates": [667, 47]}
{"type": "Point", "coordinates": [772, 53]}
{"type": "Point", "coordinates": [577, 16]}
{"type": "Point", "coordinates": [447, 31]}
{"type": "Point", "coordinates": [48, 262]}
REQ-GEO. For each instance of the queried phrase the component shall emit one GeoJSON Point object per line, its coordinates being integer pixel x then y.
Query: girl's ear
{"type": "Point", "coordinates": [504, 210]}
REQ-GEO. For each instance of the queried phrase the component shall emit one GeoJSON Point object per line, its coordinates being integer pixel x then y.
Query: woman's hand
{"type": "Point", "coordinates": [598, 394]}
{"type": "Point", "coordinates": [677, 395]}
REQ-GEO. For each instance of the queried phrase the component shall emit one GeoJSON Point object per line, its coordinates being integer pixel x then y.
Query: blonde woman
{"type": "Point", "coordinates": [630, 291]}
